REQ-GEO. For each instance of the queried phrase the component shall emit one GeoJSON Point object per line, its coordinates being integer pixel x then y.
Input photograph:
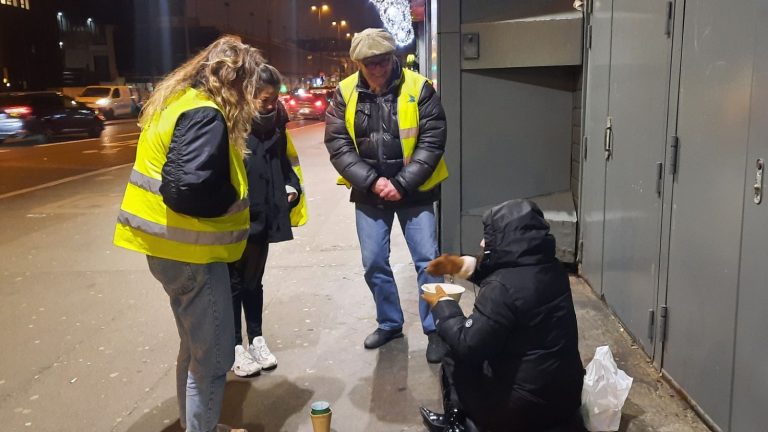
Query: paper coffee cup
{"type": "Point", "coordinates": [320, 414]}
{"type": "Point", "coordinates": [451, 290]}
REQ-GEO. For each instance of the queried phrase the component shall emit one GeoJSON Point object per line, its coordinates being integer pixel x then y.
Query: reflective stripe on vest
{"type": "Point", "coordinates": [299, 213]}
{"type": "Point", "coordinates": [153, 185]}
{"type": "Point", "coordinates": [407, 120]}
{"type": "Point", "coordinates": [145, 224]}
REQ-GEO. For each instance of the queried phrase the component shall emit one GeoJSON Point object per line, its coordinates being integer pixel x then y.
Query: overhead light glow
{"type": "Point", "coordinates": [396, 16]}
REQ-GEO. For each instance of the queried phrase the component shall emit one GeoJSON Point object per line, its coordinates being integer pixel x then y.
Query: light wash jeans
{"type": "Point", "coordinates": [201, 301]}
{"type": "Point", "coordinates": [374, 226]}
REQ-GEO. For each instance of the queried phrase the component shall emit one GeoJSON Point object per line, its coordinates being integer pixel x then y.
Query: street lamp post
{"type": "Point", "coordinates": [320, 10]}
{"type": "Point", "coordinates": [338, 26]}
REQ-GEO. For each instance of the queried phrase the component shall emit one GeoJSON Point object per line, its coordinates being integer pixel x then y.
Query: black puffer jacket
{"type": "Point", "coordinates": [378, 140]}
{"type": "Point", "coordinates": [195, 178]}
{"type": "Point", "coordinates": [522, 334]}
{"type": "Point", "coordinates": [269, 171]}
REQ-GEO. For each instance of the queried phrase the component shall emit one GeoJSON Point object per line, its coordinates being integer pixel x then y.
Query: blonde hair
{"type": "Point", "coordinates": [227, 72]}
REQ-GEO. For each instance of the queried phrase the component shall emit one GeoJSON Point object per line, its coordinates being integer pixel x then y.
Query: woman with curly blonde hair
{"type": "Point", "coordinates": [186, 208]}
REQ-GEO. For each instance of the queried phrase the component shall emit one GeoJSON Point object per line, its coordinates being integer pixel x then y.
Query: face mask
{"type": "Point", "coordinates": [265, 121]}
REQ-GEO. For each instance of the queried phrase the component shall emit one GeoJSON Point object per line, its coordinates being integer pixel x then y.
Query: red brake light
{"type": "Point", "coordinates": [18, 111]}
{"type": "Point", "coordinates": [292, 102]}
{"type": "Point", "coordinates": [319, 103]}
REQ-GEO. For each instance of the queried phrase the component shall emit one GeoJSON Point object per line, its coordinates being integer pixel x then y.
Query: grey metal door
{"type": "Point", "coordinates": [705, 240]}
{"type": "Point", "coordinates": [592, 199]}
{"type": "Point", "coordinates": [640, 68]}
{"type": "Point", "coordinates": [750, 380]}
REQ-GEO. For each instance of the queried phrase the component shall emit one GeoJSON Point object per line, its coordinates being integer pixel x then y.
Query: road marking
{"type": "Point", "coordinates": [122, 135]}
{"type": "Point", "coordinates": [119, 143]}
{"type": "Point", "coordinates": [64, 180]}
{"type": "Point", "coordinates": [89, 139]}
{"type": "Point", "coordinates": [3, 151]}
{"type": "Point", "coordinates": [121, 121]}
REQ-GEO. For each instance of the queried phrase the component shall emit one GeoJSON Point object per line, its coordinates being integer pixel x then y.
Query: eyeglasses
{"type": "Point", "coordinates": [381, 62]}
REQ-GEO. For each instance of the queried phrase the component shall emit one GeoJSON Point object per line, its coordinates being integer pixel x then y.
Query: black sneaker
{"type": "Point", "coordinates": [380, 336]}
{"type": "Point", "coordinates": [436, 348]}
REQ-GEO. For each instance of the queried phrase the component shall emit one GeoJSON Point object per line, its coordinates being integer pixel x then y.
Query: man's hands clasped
{"type": "Point", "coordinates": [385, 190]}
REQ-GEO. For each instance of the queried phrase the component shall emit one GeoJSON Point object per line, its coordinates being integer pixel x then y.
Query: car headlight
{"type": "Point", "coordinates": [102, 101]}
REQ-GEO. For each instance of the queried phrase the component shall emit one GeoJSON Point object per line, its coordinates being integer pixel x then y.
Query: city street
{"type": "Point", "coordinates": [634, 127]}
{"type": "Point", "coordinates": [28, 165]}
{"type": "Point", "coordinates": [94, 341]}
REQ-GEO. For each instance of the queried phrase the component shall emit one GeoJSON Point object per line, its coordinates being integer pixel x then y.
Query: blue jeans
{"type": "Point", "coordinates": [201, 301]}
{"type": "Point", "coordinates": [374, 226]}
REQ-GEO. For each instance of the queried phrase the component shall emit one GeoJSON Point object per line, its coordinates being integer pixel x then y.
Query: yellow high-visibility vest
{"type": "Point", "coordinates": [145, 224]}
{"type": "Point", "coordinates": [407, 120]}
{"type": "Point", "coordinates": [298, 213]}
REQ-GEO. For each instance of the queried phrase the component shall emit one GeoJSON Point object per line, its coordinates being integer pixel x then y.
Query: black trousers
{"type": "Point", "coordinates": [245, 276]}
{"type": "Point", "coordinates": [491, 407]}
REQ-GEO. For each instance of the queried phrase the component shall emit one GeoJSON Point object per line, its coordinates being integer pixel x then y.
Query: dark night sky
{"type": "Point", "coordinates": [294, 15]}
{"type": "Point", "coordinates": [360, 11]}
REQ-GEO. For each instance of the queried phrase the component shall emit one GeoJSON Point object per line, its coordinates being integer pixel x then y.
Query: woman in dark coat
{"type": "Point", "coordinates": [514, 363]}
{"type": "Point", "coordinates": [273, 190]}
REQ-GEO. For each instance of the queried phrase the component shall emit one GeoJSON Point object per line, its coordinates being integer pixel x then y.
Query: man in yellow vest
{"type": "Point", "coordinates": [385, 133]}
{"type": "Point", "coordinates": [186, 208]}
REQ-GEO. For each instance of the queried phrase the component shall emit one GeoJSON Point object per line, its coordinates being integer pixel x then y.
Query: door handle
{"type": "Point", "coordinates": [758, 187]}
{"type": "Point", "coordinates": [608, 139]}
{"type": "Point", "coordinates": [659, 178]}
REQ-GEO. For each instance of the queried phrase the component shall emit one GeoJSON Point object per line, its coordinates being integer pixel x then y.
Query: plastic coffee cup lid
{"type": "Point", "coordinates": [320, 407]}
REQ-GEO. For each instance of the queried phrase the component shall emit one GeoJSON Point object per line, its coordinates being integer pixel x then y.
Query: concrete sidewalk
{"type": "Point", "coordinates": [90, 343]}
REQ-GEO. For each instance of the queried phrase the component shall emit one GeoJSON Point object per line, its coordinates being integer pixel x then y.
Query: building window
{"type": "Point", "coordinates": [16, 3]}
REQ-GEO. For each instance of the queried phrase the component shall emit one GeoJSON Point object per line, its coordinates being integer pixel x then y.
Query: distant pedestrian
{"type": "Point", "coordinates": [386, 134]}
{"type": "Point", "coordinates": [276, 203]}
{"type": "Point", "coordinates": [186, 208]}
{"type": "Point", "coordinates": [514, 363]}
{"type": "Point", "coordinates": [411, 62]}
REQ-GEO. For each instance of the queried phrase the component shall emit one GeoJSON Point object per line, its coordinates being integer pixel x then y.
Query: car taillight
{"type": "Point", "coordinates": [319, 103]}
{"type": "Point", "coordinates": [18, 111]}
{"type": "Point", "coordinates": [292, 102]}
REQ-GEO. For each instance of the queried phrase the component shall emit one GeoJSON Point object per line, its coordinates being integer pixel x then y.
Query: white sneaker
{"type": "Point", "coordinates": [259, 351]}
{"type": "Point", "coordinates": [245, 365]}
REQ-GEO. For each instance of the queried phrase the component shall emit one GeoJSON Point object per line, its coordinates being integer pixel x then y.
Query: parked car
{"type": "Point", "coordinates": [41, 115]}
{"type": "Point", "coordinates": [112, 101]}
{"type": "Point", "coordinates": [306, 105]}
{"type": "Point", "coordinates": [326, 92]}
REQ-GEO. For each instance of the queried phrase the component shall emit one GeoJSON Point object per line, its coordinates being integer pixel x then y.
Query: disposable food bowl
{"type": "Point", "coordinates": [451, 290]}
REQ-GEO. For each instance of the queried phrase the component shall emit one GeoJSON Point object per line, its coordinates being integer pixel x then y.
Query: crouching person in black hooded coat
{"type": "Point", "coordinates": [514, 363]}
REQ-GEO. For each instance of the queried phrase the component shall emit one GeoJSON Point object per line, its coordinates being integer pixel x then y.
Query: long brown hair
{"type": "Point", "coordinates": [226, 71]}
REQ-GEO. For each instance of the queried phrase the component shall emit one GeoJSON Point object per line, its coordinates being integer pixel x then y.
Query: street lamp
{"type": "Point", "coordinates": [320, 10]}
{"type": "Point", "coordinates": [338, 26]}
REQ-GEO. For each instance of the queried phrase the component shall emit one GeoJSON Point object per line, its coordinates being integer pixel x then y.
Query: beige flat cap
{"type": "Point", "coordinates": [370, 43]}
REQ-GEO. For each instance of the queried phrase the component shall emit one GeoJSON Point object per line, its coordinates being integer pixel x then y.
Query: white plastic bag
{"type": "Point", "coordinates": [605, 389]}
